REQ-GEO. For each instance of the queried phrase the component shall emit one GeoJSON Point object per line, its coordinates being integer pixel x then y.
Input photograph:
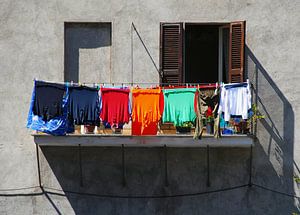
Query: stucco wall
{"type": "Point", "coordinates": [32, 46]}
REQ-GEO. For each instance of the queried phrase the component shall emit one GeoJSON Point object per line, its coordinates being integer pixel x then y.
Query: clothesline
{"type": "Point", "coordinates": [135, 83]}
{"type": "Point", "coordinates": [62, 106]}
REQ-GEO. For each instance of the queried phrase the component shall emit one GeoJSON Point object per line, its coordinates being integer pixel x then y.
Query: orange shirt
{"type": "Point", "coordinates": [147, 108]}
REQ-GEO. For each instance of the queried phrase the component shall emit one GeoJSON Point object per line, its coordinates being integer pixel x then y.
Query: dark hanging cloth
{"type": "Point", "coordinates": [48, 100]}
{"type": "Point", "coordinates": [206, 103]}
{"type": "Point", "coordinates": [57, 126]}
{"type": "Point", "coordinates": [84, 105]}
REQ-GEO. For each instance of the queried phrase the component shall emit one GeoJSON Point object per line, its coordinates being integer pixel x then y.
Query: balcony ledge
{"type": "Point", "coordinates": [116, 140]}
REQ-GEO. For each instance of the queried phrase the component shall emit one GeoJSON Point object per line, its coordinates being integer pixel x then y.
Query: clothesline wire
{"type": "Point", "coordinates": [145, 47]}
{"type": "Point", "coordinates": [138, 83]}
{"type": "Point", "coordinates": [136, 197]}
{"type": "Point", "coordinates": [16, 189]}
{"type": "Point", "coordinates": [129, 83]}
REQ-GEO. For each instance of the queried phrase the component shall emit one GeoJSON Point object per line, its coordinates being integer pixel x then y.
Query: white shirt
{"type": "Point", "coordinates": [235, 101]}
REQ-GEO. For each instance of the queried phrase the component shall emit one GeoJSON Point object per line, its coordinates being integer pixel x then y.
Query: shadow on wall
{"type": "Point", "coordinates": [86, 38]}
{"type": "Point", "coordinates": [274, 156]}
{"type": "Point", "coordinates": [102, 171]}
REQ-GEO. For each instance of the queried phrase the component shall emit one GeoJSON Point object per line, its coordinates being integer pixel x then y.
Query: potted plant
{"type": "Point", "coordinates": [185, 128]}
{"type": "Point", "coordinates": [210, 125]}
{"type": "Point", "coordinates": [209, 121]}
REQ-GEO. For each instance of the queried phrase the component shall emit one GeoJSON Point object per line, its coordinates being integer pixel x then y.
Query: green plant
{"type": "Point", "coordinates": [256, 115]}
{"type": "Point", "coordinates": [187, 124]}
{"type": "Point", "coordinates": [297, 179]}
{"type": "Point", "coordinates": [209, 119]}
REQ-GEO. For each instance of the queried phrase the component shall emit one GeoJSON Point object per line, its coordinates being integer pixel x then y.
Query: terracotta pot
{"type": "Point", "coordinates": [89, 129]}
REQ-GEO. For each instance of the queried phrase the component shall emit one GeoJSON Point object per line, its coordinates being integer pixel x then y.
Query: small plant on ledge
{"type": "Point", "coordinates": [256, 115]}
{"type": "Point", "coordinates": [185, 128]}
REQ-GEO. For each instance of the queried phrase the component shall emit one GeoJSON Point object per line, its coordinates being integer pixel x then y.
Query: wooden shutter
{"type": "Point", "coordinates": [171, 42]}
{"type": "Point", "coordinates": [236, 51]}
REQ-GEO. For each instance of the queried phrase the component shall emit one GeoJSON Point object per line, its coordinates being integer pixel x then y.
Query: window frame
{"type": "Point", "coordinates": [222, 25]}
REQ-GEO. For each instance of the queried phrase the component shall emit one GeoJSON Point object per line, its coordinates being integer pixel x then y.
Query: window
{"type": "Point", "coordinates": [202, 52]}
{"type": "Point", "coordinates": [87, 52]}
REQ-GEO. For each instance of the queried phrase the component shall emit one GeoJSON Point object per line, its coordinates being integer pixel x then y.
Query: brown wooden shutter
{"type": "Point", "coordinates": [171, 42]}
{"type": "Point", "coordinates": [236, 52]}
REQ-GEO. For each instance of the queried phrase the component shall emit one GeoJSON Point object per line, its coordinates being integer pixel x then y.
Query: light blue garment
{"type": "Point", "coordinates": [57, 126]}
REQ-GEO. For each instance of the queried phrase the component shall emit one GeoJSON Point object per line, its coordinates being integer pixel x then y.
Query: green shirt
{"type": "Point", "coordinates": [179, 106]}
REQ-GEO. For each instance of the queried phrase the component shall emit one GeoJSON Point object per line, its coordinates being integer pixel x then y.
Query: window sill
{"type": "Point", "coordinates": [117, 140]}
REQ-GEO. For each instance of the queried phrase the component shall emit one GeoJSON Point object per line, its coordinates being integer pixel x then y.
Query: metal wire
{"type": "Point", "coordinates": [129, 83]}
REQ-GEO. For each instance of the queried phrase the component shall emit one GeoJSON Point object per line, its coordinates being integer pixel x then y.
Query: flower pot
{"type": "Point", "coordinates": [209, 128]}
{"type": "Point", "coordinates": [89, 129]}
{"type": "Point", "coordinates": [116, 130]}
{"type": "Point", "coordinates": [183, 130]}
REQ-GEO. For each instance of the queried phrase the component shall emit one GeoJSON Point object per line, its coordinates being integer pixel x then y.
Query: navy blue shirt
{"type": "Point", "coordinates": [84, 105]}
{"type": "Point", "coordinates": [48, 100]}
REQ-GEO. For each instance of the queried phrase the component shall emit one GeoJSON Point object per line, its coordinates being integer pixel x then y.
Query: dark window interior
{"type": "Point", "coordinates": [225, 54]}
{"type": "Point", "coordinates": [201, 53]}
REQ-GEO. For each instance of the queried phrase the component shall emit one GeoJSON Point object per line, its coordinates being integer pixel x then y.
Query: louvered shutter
{"type": "Point", "coordinates": [171, 40]}
{"type": "Point", "coordinates": [236, 52]}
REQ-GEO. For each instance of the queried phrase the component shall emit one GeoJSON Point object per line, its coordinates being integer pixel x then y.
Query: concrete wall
{"type": "Point", "coordinates": [32, 46]}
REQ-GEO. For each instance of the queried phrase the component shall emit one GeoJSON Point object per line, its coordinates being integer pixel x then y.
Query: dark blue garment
{"type": "Point", "coordinates": [58, 125]}
{"type": "Point", "coordinates": [84, 106]}
{"type": "Point", "coordinates": [48, 99]}
{"type": "Point", "coordinates": [234, 85]}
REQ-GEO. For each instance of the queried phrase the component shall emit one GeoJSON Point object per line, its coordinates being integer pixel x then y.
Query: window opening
{"type": "Point", "coordinates": [201, 53]}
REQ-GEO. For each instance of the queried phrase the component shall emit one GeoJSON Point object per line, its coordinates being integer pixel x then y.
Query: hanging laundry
{"type": "Point", "coordinates": [179, 106]}
{"type": "Point", "coordinates": [147, 108]}
{"type": "Point", "coordinates": [58, 125]}
{"type": "Point", "coordinates": [115, 106]}
{"type": "Point", "coordinates": [84, 106]}
{"type": "Point", "coordinates": [206, 107]}
{"type": "Point", "coordinates": [48, 100]}
{"type": "Point", "coordinates": [235, 100]}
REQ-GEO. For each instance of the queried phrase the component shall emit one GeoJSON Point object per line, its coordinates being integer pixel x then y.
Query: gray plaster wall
{"type": "Point", "coordinates": [32, 46]}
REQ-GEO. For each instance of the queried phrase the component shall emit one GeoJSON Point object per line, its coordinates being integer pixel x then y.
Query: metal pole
{"type": "Point", "coordinates": [250, 166]}
{"type": "Point", "coordinates": [166, 166]}
{"type": "Point", "coordinates": [207, 162]}
{"type": "Point", "coordinates": [131, 53]}
{"type": "Point", "coordinates": [80, 165]}
{"type": "Point", "coordinates": [123, 166]}
{"type": "Point", "coordinates": [38, 164]}
{"type": "Point", "coordinates": [145, 47]}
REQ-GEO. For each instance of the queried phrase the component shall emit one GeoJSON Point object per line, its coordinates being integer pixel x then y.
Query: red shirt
{"type": "Point", "coordinates": [115, 108]}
